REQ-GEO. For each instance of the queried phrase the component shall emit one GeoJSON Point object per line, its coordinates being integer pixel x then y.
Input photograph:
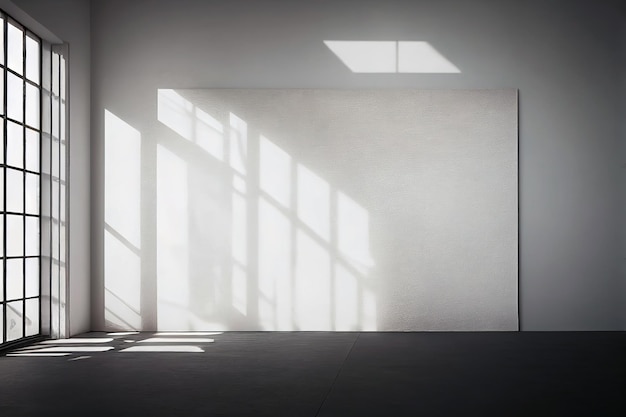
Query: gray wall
{"type": "Point", "coordinates": [562, 55]}
{"type": "Point", "coordinates": [70, 21]}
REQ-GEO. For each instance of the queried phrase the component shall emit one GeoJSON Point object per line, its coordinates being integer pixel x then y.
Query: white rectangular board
{"type": "Point", "coordinates": [304, 209]}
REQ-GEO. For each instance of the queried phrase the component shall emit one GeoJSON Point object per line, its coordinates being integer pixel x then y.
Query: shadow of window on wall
{"type": "Point", "coordinates": [248, 238]}
{"type": "Point", "coordinates": [391, 57]}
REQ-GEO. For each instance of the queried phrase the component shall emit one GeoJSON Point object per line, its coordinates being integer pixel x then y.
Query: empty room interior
{"type": "Point", "coordinates": [312, 208]}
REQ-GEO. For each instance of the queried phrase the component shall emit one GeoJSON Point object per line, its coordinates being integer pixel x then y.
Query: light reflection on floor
{"type": "Point", "coordinates": [170, 348]}
{"type": "Point", "coordinates": [176, 340]}
{"type": "Point", "coordinates": [93, 343]}
{"type": "Point", "coordinates": [84, 340]}
{"type": "Point", "coordinates": [187, 333]}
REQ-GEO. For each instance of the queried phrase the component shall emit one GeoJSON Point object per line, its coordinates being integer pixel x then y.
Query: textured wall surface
{"type": "Point", "coordinates": [333, 210]}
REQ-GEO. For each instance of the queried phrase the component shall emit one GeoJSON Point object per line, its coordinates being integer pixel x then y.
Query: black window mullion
{"type": "Point", "coordinates": [23, 299]}
{"type": "Point", "coordinates": [58, 180]}
{"type": "Point", "coordinates": [23, 183]}
{"type": "Point", "coordinates": [50, 181]}
{"type": "Point", "coordinates": [21, 169]}
{"type": "Point", "coordinates": [15, 213]}
{"type": "Point", "coordinates": [4, 179]}
{"type": "Point", "coordinates": [40, 177]}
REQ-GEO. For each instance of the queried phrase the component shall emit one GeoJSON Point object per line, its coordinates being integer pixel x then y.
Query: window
{"type": "Point", "coordinates": [20, 181]}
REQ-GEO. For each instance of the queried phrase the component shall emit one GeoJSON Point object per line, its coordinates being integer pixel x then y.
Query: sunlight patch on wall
{"type": "Point", "coordinates": [391, 57]}
{"type": "Point", "coordinates": [369, 310]}
{"type": "Point", "coordinates": [278, 231]}
{"type": "Point", "coordinates": [240, 289]}
{"type": "Point", "coordinates": [366, 56]}
{"type": "Point", "coordinates": [421, 57]}
{"type": "Point", "coordinates": [353, 233]}
{"type": "Point", "coordinates": [122, 228]}
{"type": "Point", "coordinates": [238, 143]}
{"type": "Point", "coordinates": [275, 252]}
{"type": "Point", "coordinates": [122, 291]}
{"type": "Point", "coordinates": [314, 202]}
{"type": "Point", "coordinates": [239, 228]}
{"type": "Point", "coordinates": [190, 122]}
{"type": "Point", "coordinates": [172, 241]}
{"type": "Point", "coordinates": [275, 172]}
{"type": "Point", "coordinates": [346, 299]}
{"type": "Point", "coordinates": [122, 178]}
{"type": "Point", "coordinates": [312, 284]}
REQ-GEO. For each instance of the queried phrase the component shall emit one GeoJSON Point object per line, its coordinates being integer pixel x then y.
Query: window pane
{"type": "Point", "coordinates": [32, 193]}
{"type": "Point", "coordinates": [32, 317]}
{"type": "Point", "coordinates": [55, 203]}
{"type": "Point", "coordinates": [55, 158]}
{"type": "Point", "coordinates": [1, 47]}
{"type": "Point", "coordinates": [2, 234]}
{"type": "Point", "coordinates": [32, 106]}
{"type": "Point", "coordinates": [46, 64]}
{"type": "Point", "coordinates": [32, 277]}
{"type": "Point", "coordinates": [62, 78]}
{"type": "Point", "coordinates": [46, 149]}
{"type": "Point", "coordinates": [32, 150]}
{"type": "Point", "coordinates": [15, 145]}
{"type": "Point", "coordinates": [15, 279]}
{"type": "Point", "coordinates": [1, 198]}
{"type": "Point", "coordinates": [1, 141]}
{"type": "Point", "coordinates": [1, 281]}
{"type": "Point", "coordinates": [1, 323]}
{"type": "Point", "coordinates": [46, 111]}
{"type": "Point", "coordinates": [63, 120]}
{"type": "Point", "coordinates": [15, 191]}
{"type": "Point", "coordinates": [15, 235]}
{"type": "Point", "coordinates": [32, 236]}
{"type": "Point", "coordinates": [1, 90]}
{"type": "Point", "coordinates": [14, 320]}
{"type": "Point", "coordinates": [55, 74]}
{"type": "Point", "coordinates": [15, 97]}
{"type": "Point", "coordinates": [32, 59]}
{"type": "Point", "coordinates": [15, 51]}
{"type": "Point", "coordinates": [62, 163]}
{"type": "Point", "coordinates": [55, 117]}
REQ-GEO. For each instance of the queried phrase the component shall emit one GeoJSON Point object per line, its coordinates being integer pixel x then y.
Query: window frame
{"type": "Point", "coordinates": [25, 125]}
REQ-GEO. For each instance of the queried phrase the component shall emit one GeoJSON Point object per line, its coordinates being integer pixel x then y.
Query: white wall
{"type": "Point", "coordinates": [563, 56]}
{"type": "Point", "coordinates": [70, 21]}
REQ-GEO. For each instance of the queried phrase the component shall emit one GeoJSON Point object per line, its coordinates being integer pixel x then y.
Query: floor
{"type": "Point", "coordinates": [319, 374]}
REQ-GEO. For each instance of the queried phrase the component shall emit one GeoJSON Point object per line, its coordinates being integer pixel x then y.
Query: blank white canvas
{"type": "Point", "coordinates": [304, 209]}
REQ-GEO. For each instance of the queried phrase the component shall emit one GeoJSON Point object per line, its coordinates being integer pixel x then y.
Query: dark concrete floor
{"type": "Point", "coordinates": [325, 374]}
